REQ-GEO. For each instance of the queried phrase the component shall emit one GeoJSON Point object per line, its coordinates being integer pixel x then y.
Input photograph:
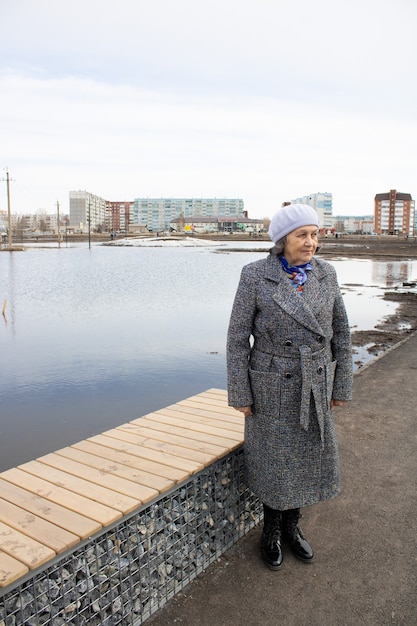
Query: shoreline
{"type": "Point", "coordinates": [367, 344]}
{"type": "Point", "coordinates": [345, 245]}
{"type": "Point", "coordinates": [390, 331]}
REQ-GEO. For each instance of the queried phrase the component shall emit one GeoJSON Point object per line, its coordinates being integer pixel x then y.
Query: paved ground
{"type": "Point", "coordinates": [365, 571]}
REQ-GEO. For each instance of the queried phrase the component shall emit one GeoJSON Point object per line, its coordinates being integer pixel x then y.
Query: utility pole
{"type": "Point", "coordinates": [9, 218]}
{"type": "Point", "coordinates": [59, 232]}
{"type": "Point", "coordinates": [89, 223]}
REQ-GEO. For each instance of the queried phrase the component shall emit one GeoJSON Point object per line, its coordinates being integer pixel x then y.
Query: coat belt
{"type": "Point", "coordinates": [307, 389]}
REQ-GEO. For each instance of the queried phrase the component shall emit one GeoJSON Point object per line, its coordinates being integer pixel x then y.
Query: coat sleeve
{"type": "Point", "coordinates": [342, 351]}
{"type": "Point", "coordinates": [239, 340]}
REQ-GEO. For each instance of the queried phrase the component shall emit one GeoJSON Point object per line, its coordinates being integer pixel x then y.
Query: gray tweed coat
{"type": "Point", "coordinates": [288, 355]}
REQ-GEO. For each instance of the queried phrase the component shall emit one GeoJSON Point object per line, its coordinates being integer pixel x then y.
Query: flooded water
{"type": "Point", "coordinates": [92, 338]}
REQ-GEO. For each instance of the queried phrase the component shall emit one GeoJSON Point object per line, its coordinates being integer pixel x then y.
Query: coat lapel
{"type": "Point", "coordinates": [290, 301]}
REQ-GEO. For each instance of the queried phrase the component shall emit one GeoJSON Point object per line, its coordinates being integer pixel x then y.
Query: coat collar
{"type": "Point", "coordinates": [296, 305]}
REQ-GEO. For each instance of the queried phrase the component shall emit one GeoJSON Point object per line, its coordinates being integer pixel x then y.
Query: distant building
{"type": "Point", "coordinates": [158, 213]}
{"type": "Point", "coordinates": [37, 222]}
{"type": "Point", "coordinates": [322, 203]}
{"type": "Point", "coordinates": [3, 221]}
{"type": "Point", "coordinates": [229, 224]}
{"type": "Point", "coordinates": [354, 225]}
{"type": "Point", "coordinates": [118, 216]}
{"type": "Point", "coordinates": [87, 211]}
{"type": "Point", "coordinates": [394, 213]}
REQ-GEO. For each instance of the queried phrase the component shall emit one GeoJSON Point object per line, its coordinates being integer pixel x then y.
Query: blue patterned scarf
{"type": "Point", "coordinates": [298, 273]}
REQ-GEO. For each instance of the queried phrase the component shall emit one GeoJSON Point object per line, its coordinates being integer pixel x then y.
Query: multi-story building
{"type": "Point", "coordinates": [230, 224]}
{"type": "Point", "coordinates": [21, 221]}
{"type": "Point", "coordinates": [322, 203]}
{"type": "Point", "coordinates": [157, 213]}
{"type": "Point", "coordinates": [87, 211]}
{"type": "Point", "coordinates": [118, 216]}
{"type": "Point", "coordinates": [38, 222]}
{"type": "Point", "coordinates": [394, 213]}
{"type": "Point", "coordinates": [349, 224]}
{"type": "Point", "coordinates": [3, 221]}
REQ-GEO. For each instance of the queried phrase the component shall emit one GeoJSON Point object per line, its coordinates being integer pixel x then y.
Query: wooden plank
{"type": "Point", "coordinates": [123, 465]}
{"type": "Point", "coordinates": [231, 436]}
{"type": "Point", "coordinates": [222, 393]}
{"type": "Point", "coordinates": [212, 404]}
{"type": "Point", "coordinates": [151, 458]}
{"type": "Point", "coordinates": [10, 569]}
{"type": "Point", "coordinates": [142, 427]}
{"type": "Point", "coordinates": [54, 513]}
{"type": "Point", "coordinates": [94, 475]}
{"type": "Point", "coordinates": [219, 394]}
{"type": "Point", "coordinates": [151, 443]}
{"type": "Point", "coordinates": [209, 410]}
{"type": "Point", "coordinates": [47, 505]}
{"type": "Point", "coordinates": [80, 504]}
{"type": "Point", "coordinates": [21, 547]}
{"type": "Point", "coordinates": [39, 529]}
{"type": "Point", "coordinates": [200, 416]}
{"type": "Point", "coordinates": [193, 410]}
{"type": "Point", "coordinates": [71, 483]}
{"type": "Point", "coordinates": [159, 423]}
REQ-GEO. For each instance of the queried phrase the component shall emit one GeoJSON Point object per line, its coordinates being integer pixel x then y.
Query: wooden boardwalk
{"type": "Point", "coordinates": [49, 505]}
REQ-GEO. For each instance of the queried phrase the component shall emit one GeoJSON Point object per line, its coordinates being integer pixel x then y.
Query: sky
{"type": "Point", "coordinates": [264, 100]}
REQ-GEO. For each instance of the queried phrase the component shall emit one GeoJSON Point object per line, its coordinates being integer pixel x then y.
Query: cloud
{"type": "Point", "coordinates": [229, 45]}
{"type": "Point", "coordinates": [263, 100]}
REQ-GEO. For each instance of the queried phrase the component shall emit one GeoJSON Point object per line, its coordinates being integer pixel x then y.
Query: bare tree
{"type": "Point", "coordinates": [43, 226]}
{"type": "Point", "coordinates": [181, 222]}
{"type": "Point", "coordinates": [266, 222]}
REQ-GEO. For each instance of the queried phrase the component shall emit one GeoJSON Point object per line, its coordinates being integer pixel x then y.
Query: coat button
{"type": "Point", "coordinates": [288, 375]}
{"type": "Point", "coordinates": [319, 369]}
{"type": "Point", "coordinates": [288, 342]}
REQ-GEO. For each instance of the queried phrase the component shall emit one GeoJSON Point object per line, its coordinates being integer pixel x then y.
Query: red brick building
{"type": "Point", "coordinates": [118, 216]}
{"type": "Point", "coordinates": [394, 213]}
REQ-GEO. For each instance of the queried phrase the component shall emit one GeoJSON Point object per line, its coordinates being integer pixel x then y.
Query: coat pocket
{"type": "Point", "coordinates": [266, 392]}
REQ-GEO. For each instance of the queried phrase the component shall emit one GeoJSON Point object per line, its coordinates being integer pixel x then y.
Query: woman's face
{"type": "Point", "coordinates": [301, 245]}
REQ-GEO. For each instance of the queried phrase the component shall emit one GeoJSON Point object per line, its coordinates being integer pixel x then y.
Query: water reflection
{"type": "Point", "coordinates": [393, 273]}
{"type": "Point", "coordinates": [368, 272]}
{"type": "Point", "coordinates": [97, 337]}
{"type": "Point", "coordinates": [8, 298]}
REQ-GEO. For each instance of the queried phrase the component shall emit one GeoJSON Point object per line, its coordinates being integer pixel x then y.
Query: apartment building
{"type": "Point", "coordinates": [322, 203]}
{"type": "Point", "coordinates": [37, 222]}
{"type": "Point", "coordinates": [231, 224]}
{"type": "Point", "coordinates": [394, 213]}
{"type": "Point", "coordinates": [3, 221]}
{"type": "Point", "coordinates": [118, 216]}
{"type": "Point", "coordinates": [158, 213]}
{"type": "Point", "coordinates": [354, 225]}
{"type": "Point", "coordinates": [87, 211]}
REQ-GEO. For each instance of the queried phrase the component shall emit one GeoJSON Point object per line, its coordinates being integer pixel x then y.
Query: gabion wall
{"type": "Point", "coordinates": [130, 571]}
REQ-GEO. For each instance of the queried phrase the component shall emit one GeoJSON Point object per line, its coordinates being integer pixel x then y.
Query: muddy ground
{"type": "Point", "coordinates": [390, 331]}
{"type": "Point", "coordinates": [404, 321]}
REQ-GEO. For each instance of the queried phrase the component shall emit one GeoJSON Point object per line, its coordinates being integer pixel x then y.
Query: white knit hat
{"type": "Point", "coordinates": [290, 217]}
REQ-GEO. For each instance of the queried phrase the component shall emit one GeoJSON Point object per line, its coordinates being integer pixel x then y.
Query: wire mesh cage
{"type": "Point", "coordinates": [132, 569]}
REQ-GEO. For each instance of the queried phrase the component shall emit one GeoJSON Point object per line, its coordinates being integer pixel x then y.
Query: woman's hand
{"type": "Point", "coordinates": [246, 410]}
{"type": "Point", "coordinates": [334, 402]}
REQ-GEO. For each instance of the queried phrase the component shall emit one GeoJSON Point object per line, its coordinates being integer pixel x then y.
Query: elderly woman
{"type": "Point", "coordinates": [289, 363]}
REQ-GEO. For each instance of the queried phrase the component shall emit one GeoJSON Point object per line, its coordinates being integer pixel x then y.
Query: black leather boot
{"type": "Point", "coordinates": [271, 539]}
{"type": "Point", "coordinates": [291, 533]}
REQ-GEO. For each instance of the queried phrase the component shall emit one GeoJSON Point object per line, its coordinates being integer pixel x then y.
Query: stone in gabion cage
{"type": "Point", "coordinates": [133, 568]}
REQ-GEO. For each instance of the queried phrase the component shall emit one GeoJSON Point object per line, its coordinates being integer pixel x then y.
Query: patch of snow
{"type": "Point", "coordinates": [159, 242]}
